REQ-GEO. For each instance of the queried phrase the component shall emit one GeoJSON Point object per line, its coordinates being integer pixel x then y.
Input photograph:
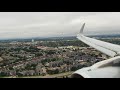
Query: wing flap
{"type": "Point", "coordinates": [105, 47]}
{"type": "Point", "coordinates": [102, 49]}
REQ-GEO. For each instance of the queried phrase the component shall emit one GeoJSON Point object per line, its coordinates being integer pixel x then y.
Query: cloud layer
{"type": "Point", "coordinates": [49, 24]}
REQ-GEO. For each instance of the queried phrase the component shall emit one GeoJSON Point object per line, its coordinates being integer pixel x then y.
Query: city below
{"type": "Point", "coordinates": [49, 57]}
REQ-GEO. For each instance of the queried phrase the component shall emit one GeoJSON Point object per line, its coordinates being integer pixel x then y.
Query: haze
{"type": "Point", "coordinates": [55, 24]}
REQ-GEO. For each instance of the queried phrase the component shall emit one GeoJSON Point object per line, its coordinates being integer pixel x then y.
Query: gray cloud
{"type": "Point", "coordinates": [47, 24]}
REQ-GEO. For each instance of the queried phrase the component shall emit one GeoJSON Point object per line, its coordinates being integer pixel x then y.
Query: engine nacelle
{"type": "Point", "coordinates": [105, 69]}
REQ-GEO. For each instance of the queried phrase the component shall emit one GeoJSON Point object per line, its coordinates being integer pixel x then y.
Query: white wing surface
{"type": "Point", "coordinates": [105, 47]}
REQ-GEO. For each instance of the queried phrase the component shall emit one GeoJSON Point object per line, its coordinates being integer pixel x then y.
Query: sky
{"type": "Point", "coordinates": [53, 24]}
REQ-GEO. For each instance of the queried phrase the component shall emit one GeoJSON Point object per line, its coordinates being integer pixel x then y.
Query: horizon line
{"type": "Point", "coordinates": [56, 36]}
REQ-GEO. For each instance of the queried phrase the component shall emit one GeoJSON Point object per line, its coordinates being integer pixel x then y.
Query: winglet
{"type": "Point", "coordinates": [81, 30]}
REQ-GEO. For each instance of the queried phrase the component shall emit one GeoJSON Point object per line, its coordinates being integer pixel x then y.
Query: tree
{"type": "Point", "coordinates": [10, 68]}
{"type": "Point", "coordinates": [3, 74]}
{"type": "Point", "coordinates": [38, 54]}
{"type": "Point", "coordinates": [56, 71]}
{"type": "Point", "coordinates": [73, 68]}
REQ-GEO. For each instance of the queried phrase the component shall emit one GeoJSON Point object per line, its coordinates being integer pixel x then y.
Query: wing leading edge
{"type": "Point", "coordinates": [105, 47]}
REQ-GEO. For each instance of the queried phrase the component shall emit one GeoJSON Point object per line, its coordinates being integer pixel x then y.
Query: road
{"type": "Point", "coordinates": [47, 76]}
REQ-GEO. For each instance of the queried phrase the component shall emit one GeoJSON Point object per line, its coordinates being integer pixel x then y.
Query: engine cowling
{"type": "Point", "coordinates": [105, 69]}
{"type": "Point", "coordinates": [107, 72]}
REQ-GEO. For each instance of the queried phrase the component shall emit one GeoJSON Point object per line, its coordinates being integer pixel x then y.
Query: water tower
{"type": "Point", "coordinates": [33, 43]}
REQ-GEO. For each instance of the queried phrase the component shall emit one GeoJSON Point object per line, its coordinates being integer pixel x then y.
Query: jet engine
{"type": "Point", "coordinates": [105, 69]}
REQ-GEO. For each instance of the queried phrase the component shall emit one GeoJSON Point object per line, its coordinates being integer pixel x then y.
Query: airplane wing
{"type": "Point", "coordinates": [105, 47]}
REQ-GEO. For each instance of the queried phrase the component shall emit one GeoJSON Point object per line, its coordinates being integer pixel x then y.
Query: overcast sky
{"type": "Point", "coordinates": [52, 24]}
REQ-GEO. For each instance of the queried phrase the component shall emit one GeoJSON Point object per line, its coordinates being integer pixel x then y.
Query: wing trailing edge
{"type": "Point", "coordinates": [104, 47]}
